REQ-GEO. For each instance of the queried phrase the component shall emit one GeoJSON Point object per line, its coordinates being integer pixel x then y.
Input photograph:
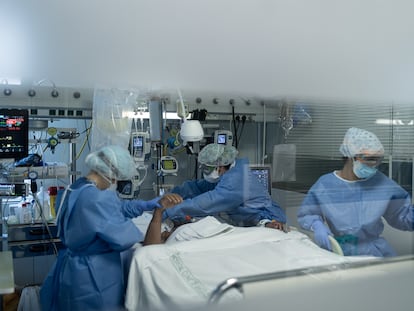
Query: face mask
{"type": "Point", "coordinates": [112, 186]}
{"type": "Point", "coordinates": [213, 177]}
{"type": "Point", "coordinates": [363, 171]}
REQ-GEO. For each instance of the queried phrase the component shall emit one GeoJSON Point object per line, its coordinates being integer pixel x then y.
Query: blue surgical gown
{"type": "Point", "coordinates": [238, 197]}
{"type": "Point", "coordinates": [354, 211]}
{"type": "Point", "coordinates": [94, 227]}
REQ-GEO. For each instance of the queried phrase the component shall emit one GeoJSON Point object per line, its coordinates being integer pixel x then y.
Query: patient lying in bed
{"type": "Point", "coordinates": [158, 232]}
{"type": "Point", "coordinates": [182, 272]}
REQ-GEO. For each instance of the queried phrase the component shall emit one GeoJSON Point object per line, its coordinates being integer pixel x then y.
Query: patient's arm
{"type": "Point", "coordinates": [153, 234]}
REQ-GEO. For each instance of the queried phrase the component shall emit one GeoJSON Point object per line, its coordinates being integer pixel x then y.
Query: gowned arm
{"type": "Point", "coordinates": [309, 211]}
{"type": "Point", "coordinates": [135, 208]}
{"type": "Point", "coordinates": [274, 213]}
{"type": "Point", "coordinates": [192, 188]}
{"type": "Point", "coordinates": [400, 213]}
{"type": "Point", "coordinates": [206, 204]}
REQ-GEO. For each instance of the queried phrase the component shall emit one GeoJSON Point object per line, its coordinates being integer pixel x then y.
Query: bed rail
{"type": "Point", "coordinates": [238, 282]}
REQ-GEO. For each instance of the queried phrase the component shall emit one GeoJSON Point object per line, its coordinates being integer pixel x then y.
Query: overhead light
{"type": "Point", "coordinates": [15, 81]}
{"type": "Point", "coordinates": [145, 115]}
{"type": "Point", "coordinates": [11, 81]}
{"type": "Point", "coordinates": [394, 122]}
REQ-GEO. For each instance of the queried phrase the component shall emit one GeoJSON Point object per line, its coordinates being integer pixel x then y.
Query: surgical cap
{"type": "Point", "coordinates": [359, 141]}
{"type": "Point", "coordinates": [113, 162]}
{"type": "Point", "coordinates": [217, 155]}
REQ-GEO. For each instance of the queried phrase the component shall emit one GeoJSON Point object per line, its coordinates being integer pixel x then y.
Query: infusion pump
{"type": "Point", "coordinates": [140, 145]}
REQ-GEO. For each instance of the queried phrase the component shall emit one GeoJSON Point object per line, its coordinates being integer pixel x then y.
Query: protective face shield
{"type": "Point", "coordinates": [362, 170]}
{"type": "Point", "coordinates": [370, 160]}
{"type": "Point", "coordinates": [114, 162]}
{"type": "Point", "coordinates": [113, 186]}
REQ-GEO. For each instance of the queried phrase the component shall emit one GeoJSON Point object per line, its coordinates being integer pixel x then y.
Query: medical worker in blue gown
{"type": "Point", "coordinates": [94, 226]}
{"type": "Point", "coordinates": [349, 204]}
{"type": "Point", "coordinates": [228, 190]}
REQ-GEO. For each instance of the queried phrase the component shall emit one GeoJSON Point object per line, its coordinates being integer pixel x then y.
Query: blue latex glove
{"type": "Point", "coordinates": [151, 204]}
{"type": "Point", "coordinates": [321, 233]}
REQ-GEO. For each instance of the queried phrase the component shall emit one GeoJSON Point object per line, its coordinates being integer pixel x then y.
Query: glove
{"type": "Point", "coordinates": [151, 204]}
{"type": "Point", "coordinates": [321, 233]}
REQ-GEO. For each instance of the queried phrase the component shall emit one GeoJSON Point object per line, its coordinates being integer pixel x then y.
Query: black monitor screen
{"type": "Point", "coordinates": [124, 187]}
{"type": "Point", "coordinates": [263, 174]}
{"type": "Point", "coordinates": [222, 139]}
{"type": "Point", "coordinates": [14, 133]}
{"type": "Point", "coordinates": [138, 141]}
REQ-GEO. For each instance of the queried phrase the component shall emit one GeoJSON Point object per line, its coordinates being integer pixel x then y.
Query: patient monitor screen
{"type": "Point", "coordinates": [138, 146]}
{"type": "Point", "coordinates": [169, 164]}
{"type": "Point", "coordinates": [138, 142]}
{"type": "Point", "coordinates": [222, 139]}
{"type": "Point", "coordinates": [263, 175]}
{"type": "Point", "coordinates": [14, 133]}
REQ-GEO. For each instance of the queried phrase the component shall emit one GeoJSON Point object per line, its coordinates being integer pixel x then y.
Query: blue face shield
{"type": "Point", "coordinates": [363, 171]}
{"type": "Point", "coordinates": [113, 186]}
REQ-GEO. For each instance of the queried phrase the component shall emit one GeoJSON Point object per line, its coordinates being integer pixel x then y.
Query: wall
{"type": "Point", "coordinates": [323, 49]}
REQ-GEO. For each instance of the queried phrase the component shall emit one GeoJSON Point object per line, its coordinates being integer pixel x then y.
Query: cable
{"type": "Point", "coordinates": [264, 135]}
{"type": "Point", "coordinates": [195, 174]}
{"type": "Point", "coordinates": [235, 130]}
{"type": "Point", "coordinates": [88, 132]}
{"type": "Point", "coordinates": [242, 127]}
{"type": "Point", "coordinates": [238, 123]}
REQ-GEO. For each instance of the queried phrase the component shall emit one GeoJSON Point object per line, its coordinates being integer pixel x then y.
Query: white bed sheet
{"type": "Point", "coordinates": [182, 273]}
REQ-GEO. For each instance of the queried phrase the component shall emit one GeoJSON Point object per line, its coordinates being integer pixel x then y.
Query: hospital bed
{"type": "Point", "coordinates": [188, 270]}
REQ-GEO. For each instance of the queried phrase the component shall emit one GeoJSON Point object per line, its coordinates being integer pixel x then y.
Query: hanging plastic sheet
{"type": "Point", "coordinates": [284, 162]}
{"type": "Point", "coordinates": [111, 124]}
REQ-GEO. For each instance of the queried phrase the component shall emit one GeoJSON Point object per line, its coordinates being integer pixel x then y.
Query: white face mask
{"type": "Point", "coordinates": [213, 177]}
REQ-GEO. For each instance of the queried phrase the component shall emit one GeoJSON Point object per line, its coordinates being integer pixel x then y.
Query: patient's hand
{"type": "Point", "coordinates": [275, 225]}
{"type": "Point", "coordinates": [170, 199]}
